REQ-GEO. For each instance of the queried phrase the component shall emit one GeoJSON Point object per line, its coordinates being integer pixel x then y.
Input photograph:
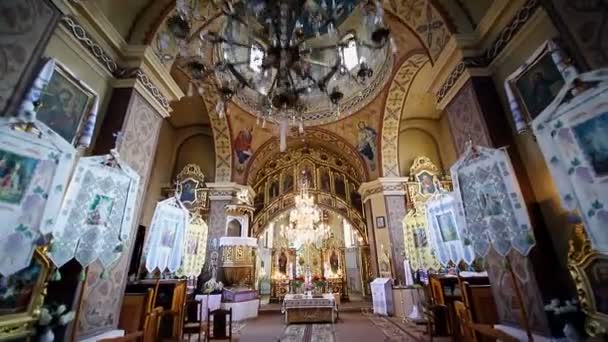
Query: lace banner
{"type": "Point", "coordinates": [195, 249]}
{"type": "Point", "coordinates": [165, 245]}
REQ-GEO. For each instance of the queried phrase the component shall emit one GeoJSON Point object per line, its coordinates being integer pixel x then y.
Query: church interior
{"type": "Point", "coordinates": [303, 170]}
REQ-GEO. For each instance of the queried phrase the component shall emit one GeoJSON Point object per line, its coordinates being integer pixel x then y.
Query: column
{"type": "Point", "coordinates": [138, 117]}
{"type": "Point", "coordinates": [384, 203]}
{"type": "Point", "coordinates": [475, 113]}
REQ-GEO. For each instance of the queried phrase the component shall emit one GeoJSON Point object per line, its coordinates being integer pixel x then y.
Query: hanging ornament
{"type": "Point", "coordinates": [301, 127]}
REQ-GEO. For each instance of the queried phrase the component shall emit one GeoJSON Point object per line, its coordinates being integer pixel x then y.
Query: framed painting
{"type": "Point", "coordinates": [21, 296]}
{"type": "Point", "coordinates": [380, 222]}
{"type": "Point", "coordinates": [65, 103]}
{"type": "Point", "coordinates": [537, 82]}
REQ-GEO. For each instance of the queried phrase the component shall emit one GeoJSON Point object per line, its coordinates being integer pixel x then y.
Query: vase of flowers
{"type": "Point", "coordinates": [51, 317]}
{"type": "Point", "coordinates": [297, 285]}
{"type": "Point", "coordinates": [319, 283]}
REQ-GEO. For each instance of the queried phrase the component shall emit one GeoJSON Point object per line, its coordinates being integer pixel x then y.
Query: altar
{"type": "Point", "coordinates": [300, 308]}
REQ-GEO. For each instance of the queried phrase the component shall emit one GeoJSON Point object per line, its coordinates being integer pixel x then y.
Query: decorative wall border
{"type": "Point", "coordinates": [393, 107]}
{"type": "Point", "coordinates": [521, 17]}
{"type": "Point", "coordinates": [110, 64]}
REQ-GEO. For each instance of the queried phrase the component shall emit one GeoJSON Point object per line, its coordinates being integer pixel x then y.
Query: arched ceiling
{"type": "Point", "coordinates": [421, 29]}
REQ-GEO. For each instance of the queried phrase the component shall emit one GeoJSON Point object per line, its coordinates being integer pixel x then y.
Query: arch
{"type": "Point", "coordinates": [435, 149]}
{"type": "Point", "coordinates": [208, 172]}
{"type": "Point", "coordinates": [314, 137]}
{"type": "Point", "coordinates": [397, 94]}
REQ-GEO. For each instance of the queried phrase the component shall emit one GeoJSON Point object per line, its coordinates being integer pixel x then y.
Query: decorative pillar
{"type": "Point", "coordinates": [384, 200]}
{"type": "Point", "coordinates": [475, 114]}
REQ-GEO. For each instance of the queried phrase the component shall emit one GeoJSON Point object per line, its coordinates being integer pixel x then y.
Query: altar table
{"type": "Point", "coordinates": [299, 308]}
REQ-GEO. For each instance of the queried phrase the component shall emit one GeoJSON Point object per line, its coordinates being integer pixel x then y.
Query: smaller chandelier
{"type": "Point", "coordinates": [305, 226]}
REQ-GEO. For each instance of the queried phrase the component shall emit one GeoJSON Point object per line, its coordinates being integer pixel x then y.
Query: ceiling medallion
{"type": "Point", "coordinates": [289, 62]}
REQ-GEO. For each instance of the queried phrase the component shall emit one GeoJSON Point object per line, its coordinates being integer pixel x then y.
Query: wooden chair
{"type": "Point", "coordinates": [135, 310]}
{"type": "Point", "coordinates": [464, 330]}
{"type": "Point", "coordinates": [193, 320]}
{"type": "Point", "coordinates": [436, 315]}
{"type": "Point", "coordinates": [219, 319]}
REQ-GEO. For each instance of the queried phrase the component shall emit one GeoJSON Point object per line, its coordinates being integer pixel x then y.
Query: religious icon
{"type": "Point", "coordinates": [539, 85]}
{"type": "Point", "coordinates": [242, 146]}
{"type": "Point", "coordinates": [168, 235]}
{"type": "Point", "coordinates": [427, 183]}
{"type": "Point", "coordinates": [339, 185]}
{"type": "Point", "coordinates": [489, 200]}
{"type": "Point", "coordinates": [234, 228]}
{"type": "Point", "coordinates": [324, 179]}
{"type": "Point", "coordinates": [420, 239]}
{"type": "Point", "coordinates": [282, 263]}
{"type": "Point", "coordinates": [16, 290]}
{"type": "Point", "coordinates": [591, 136]}
{"type": "Point", "coordinates": [367, 144]}
{"type": "Point", "coordinates": [99, 210]}
{"type": "Point", "coordinates": [447, 226]}
{"type": "Point", "coordinates": [334, 262]}
{"type": "Point", "coordinates": [307, 176]}
{"type": "Point", "coordinates": [192, 246]}
{"type": "Point", "coordinates": [16, 172]}
{"type": "Point", "coordinates": [274, 189]}
{"type": "Point", "coordinates": [288, 181]}
{"type": "Point", "coordinates": [188, 194]}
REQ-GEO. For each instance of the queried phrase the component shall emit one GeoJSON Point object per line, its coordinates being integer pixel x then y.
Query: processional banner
{"type": "Point", "coordinates": [165, 245]}
{"type": "Point", "coordinates": [195, 248]}
{"type": "Point", "coordinates": [447, 236]}
{"type": "Point", "coordinates": [97, 214]}
{"type": "Point", "coordinates": [573, 136]}
{"type": "Point", "coordinates": [491, 208]}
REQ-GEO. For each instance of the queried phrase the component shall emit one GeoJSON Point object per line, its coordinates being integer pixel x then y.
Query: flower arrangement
{"type": "Point", "coordinates": [212, 286]}
{"type": "Point", "coordinates": [51, 317]}
{"type": "Point", "coordinates": [319, 281]}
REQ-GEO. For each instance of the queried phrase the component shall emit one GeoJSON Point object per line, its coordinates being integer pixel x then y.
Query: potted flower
{"type": "Point", "coordinates": [297, 283]}
{"type": "Point", "coordinates": [51, 317]}
{"type": "Point", "coordinates": [319, 284]}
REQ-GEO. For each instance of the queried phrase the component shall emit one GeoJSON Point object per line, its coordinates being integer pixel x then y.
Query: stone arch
{"type": "Point", "coordinates": [397, 94]}
{"type": "Point", "coordinates": [435, 148]}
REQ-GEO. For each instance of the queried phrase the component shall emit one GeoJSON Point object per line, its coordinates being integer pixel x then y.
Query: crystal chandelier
{"type": "Point", "coordinates": [305, 226]}
{"type": "Point", "coordinates": [282, 57]}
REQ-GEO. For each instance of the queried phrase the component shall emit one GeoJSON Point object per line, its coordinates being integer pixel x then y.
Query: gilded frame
{"type": "Point", "coordinates": [21, 325]}
{"type": "Point", "coordinates": [580, 257]}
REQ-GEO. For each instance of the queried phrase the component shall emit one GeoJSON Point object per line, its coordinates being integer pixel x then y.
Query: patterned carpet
{"type": "Point", "coordinates": [308, 333]}
{"type": "Point", "coordinates": [391, 331]}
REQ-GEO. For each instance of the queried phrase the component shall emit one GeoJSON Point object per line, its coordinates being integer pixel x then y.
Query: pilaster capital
{"type": "Point", "coordinates": [228, 191]}
{"type": "Point", "coordinates": [384, 186]}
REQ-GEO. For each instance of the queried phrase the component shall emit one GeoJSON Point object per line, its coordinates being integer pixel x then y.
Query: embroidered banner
{"type": "Point", "coordinates": [491, 208]}
{"type": "Point", "coordinates": [195, 248]}
{"type": "Point", "coordinates": [34, 172]}
{"type": "Point", "coordinates": [97, 213]}
{"type": "Point", "coordinates": [447, 238]}
{"type": "Point", "coordinates": [165, 245]}
{"type": "Point", "coordinates": [573, 137]}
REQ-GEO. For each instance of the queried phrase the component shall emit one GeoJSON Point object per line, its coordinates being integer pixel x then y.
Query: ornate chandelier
{"type": "Point", "coordinates": [305, 226]}
{"type": "Point", "coordinates": [285, 61]}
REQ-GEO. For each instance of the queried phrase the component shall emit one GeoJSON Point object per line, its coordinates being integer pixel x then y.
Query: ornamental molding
{"type": "Point", "coordinates": [385, 186]}
{"type": "Point", "coordinates": [485, 59]}
{"type": "Point", "coordinates": [141, 65]}
{"type": "Point", "coordinates": [222, 191]}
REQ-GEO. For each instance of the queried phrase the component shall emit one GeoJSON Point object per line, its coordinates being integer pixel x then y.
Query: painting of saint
{"type": "Point", "coordinates": [99, 210]}
{"type": "Point", "coordinates": [16, 172]}
{"type": "Point", "coordinates": [192, 246]}
{"type": "Point", "coordinates": [234, 228]}
{"type": "Point", "coordinates": [242, 146]}
{"type": "Point", "coordinates": [16, 291]}
{"type": "Point", "coordinates": [597, 273]}
{"type": "Point", "coordinates": [367, 143]}
{"type": "Point", "coordinates": [324, 180]}
{"type": "Point", "coordinates": [288, 181]}
{"type": "Point", "coordinates": [355, 199]}
{"type": "Point", "coordinates": [539, 85]}
{"type": "Point", "coordinates": [168, 235]}
{"type": "Point", "coordinates": [489, 200]}
{"type": "Point", "coordinates": [273, 190]}
{"type": "Point", "coordinates": [334, 262]}
{"type": "Point", "coordinates": [427, 184]}
{"type": "Point", "coordinates": [591, 136]}
{"type": "Point", "coordinates": [64, 103]}
{"type": "Point", "coordinates": [188, 191]}
{"type": "Point", "coordinates": [282, 263]}
{"type": "Point", "coordinates": [339, 185]}
{"type": "Point", "coordinates": [420, 239]}
{"type": "Point", "coordinates": [447, 226]}
{"type": "Point", "coordinates": [307, 176]}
